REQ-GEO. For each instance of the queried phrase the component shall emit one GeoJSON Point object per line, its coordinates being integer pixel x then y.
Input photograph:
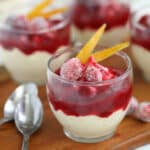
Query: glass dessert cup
{"type": "Point", "coordinates": [140, 38]}
{"type": "Point", "coordinates": [94, 13]}
{"type": "Point", "coordinates": [89, 112]}
{"type": "Point", "coordinates": [26, 52]}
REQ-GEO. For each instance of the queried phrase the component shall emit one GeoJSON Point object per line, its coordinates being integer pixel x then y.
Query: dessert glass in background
{"type": "Point", "coordinates": [27, 45]}
{"type": "Point", "coordinates": [140, 38]}
{"type": "Point", "coordinates": [136, 6]}
{"type": "Point", "coordinates": [89, 112]}
{"type": "Point", "coordinates": [5, 5]}
{"type": "Point", "coordinates": [89, 15]}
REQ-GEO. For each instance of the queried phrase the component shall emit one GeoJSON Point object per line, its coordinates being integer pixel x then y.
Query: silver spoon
{"type": "Point", "coordinates": [28, 117]}
{"type": "Point", "coordinates": [14, 98]}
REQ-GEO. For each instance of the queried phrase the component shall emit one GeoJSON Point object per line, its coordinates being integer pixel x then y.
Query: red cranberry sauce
{"type": "Point", "coordinates": [142, 36]}
{"type": "Point", "coordinates": [91, 15]}
{"type": "Point", "coordinates": [83, 100]}
{"type": "Point", "coordinates": [24, 35]}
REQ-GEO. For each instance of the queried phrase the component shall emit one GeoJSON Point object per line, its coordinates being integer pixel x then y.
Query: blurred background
{"type": "Point", "coordinates": [7, 5]}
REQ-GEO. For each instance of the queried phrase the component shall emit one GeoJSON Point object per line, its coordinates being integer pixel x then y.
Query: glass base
{"type": "Point", "coordinates": [87, 140]}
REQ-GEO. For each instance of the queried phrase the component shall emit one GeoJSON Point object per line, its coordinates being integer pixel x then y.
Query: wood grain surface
{"type": "Point", "coordinates": [50, 136]}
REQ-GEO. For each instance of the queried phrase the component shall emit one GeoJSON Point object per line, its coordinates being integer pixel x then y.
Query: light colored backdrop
{"type": "Point", "coordinates": [5, 6]}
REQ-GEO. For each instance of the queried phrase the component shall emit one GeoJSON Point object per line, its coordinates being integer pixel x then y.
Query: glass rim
{"type": "Point", "coordinates": [105, 1]}
{"type": "Point", "coordinates": [63, 22]}
{"type": "Point", "coordinates": [123, 55]}
{"type": "Point", "coordinates": [138, 15]}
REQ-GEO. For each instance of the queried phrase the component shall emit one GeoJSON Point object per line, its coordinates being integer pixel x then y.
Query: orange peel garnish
{"type": "Point", "coordinates": [86, 51]}
{"type": "Point", "coordinates": [52, 12]}
{"type": "Point", "coordinates": [103, 54]}
{"type": "Point", "coordinates": [35, 11]}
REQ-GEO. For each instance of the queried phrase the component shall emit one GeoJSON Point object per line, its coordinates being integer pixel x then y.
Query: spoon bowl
{"type": "Point", "coordinates": [28, 116]}
{"type": "Point", "coordinates": [14, 98]}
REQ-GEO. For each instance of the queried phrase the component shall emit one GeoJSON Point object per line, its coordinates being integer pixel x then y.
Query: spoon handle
{"type": "Point", "coordinates": [4, 120]}
{"type": "Point", "coordinates": [25, 142]}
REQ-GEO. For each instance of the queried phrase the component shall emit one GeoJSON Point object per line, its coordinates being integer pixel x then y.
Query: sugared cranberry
{"type": "Point", "coordinates": [145, 21]}
{"type": "Point", "coordinates": [22, 23]}
{"type": "Point", "coordinates": [140, 111]}
{"type": "Point", "coordinates": [143, 112]}
{"type": "Point", "coordinates": [133, 105]}
{"type": "Point", "coordinates": [104, 72]}
{"type": "Point", "coordinates": [72, 69]}
{"type": "Point", "coordinates": [92, 73]}
{"type": "Point", "coordinates": [10, 20]}
{"type": "Point", "coordinates": [38, 24]}
{"type": "Point", "coordinates": [18, 22]}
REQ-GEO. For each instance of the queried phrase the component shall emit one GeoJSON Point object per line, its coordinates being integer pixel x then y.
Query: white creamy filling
{"type": "Point", "coordinates": [26, 68]}
{"type": "Point", "coordinates": [91, 126]}
{"type": "Point", "coordinates": [142, 58]}
{"type": "Point", "coordinates": [110, 37]}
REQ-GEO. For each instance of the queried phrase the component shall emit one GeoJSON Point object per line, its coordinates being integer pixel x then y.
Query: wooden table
{"type": "Point", "coordinates": [51, 137]}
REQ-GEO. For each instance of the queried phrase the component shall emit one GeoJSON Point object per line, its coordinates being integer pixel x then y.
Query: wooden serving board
{"type": "Point", "coordinates": [50, 136]}
{"type": "Point", "coordinates": [4, 75]}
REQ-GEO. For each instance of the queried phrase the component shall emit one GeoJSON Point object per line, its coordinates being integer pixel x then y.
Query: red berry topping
{"type": "Point", "coordinates": [97, 72]}
{"type": "Point", "coordinates": [93, 13]}
{"type": "Point", "coordinates": [34, 35]}
{"type": "Point", "coordinates": [87, 91]}
{"type": "Point", "coordinates": [92, 73]}
{"type": "Point", "coordinates": [72, 69]}
{"type": "Point", "coordinates": [145, 21]}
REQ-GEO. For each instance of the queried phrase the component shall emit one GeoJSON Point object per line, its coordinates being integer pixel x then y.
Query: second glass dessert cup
{"type": "Point", "coordinates": [89, 15]}
{"type": "Point", "coordinates": [26, 50]}
{"type": "Point", "coordinates": [140, 37]}
{"type": "Point", "coordinates": [89, 112]}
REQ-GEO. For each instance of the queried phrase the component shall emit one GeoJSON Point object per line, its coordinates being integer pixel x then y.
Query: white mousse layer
{"type": "Point", "coordinates": [110, 37]}
{"type": "Point", "coordinates": [89, 126]}
{"type": "Point", "coordinates": [142, 58]}
{"type": "Point", "coordinates": [27, 68]}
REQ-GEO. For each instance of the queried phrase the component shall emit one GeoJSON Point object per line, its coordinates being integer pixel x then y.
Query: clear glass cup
{"type": "Point", "coordinates": [26, 52]}
{"type": "Point", "coordinates": [140, 39]}
{"type": "Point", "coordinates": [89, 112]}
{"type": "Point", "coordinates": [5, 5]}
{"type": "Point", "coordinates": [94, 13]}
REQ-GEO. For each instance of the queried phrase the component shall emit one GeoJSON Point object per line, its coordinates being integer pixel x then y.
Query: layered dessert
{"type": "Point", "coordinates": [89, 111]}
{"type": "Point", "coordinates": [89, 15]}
{"type": "Point", "coordinates": [140, 37]}
{"type": "Point", "coordinates": [88, 98]}
{"type": "Point", "coordinates": [28, 43]}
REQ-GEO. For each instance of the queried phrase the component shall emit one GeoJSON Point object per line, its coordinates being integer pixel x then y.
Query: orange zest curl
{"type": "Point", "coordinates": [46, 15]}
{"type": "Point", "coordinates": [86, 51]}
{"type": "Point", "coordinates": [103, 54]}
{"type": "Point", "coordinates": [35, 11]}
